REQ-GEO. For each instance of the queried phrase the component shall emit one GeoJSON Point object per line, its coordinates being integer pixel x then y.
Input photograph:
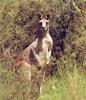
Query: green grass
{"type": "Point", "coordinates": [5, 91]}
{"type": "Point", "coordinates": [69, 87]}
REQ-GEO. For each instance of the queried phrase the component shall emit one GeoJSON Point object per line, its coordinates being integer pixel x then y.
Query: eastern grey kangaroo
{"type": "Point", "coordinates": [38, 53]}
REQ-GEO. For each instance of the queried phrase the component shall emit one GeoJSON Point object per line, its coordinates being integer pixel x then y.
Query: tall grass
{"type": "Point", "coordinates": [68, 87]}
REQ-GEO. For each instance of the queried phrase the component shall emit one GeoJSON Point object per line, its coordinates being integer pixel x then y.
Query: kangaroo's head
{"type": "Point", "coordinates": [44, 20]}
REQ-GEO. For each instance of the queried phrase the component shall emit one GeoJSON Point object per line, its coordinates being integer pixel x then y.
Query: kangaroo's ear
{"type": "Point", "coordinates": [49, 16]}
{"type": "Point", "coordinates": [39, 15]}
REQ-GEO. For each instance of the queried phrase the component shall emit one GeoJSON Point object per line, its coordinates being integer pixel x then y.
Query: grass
{"type": "Point", "coordinates": [5, 91]}
{"type": "Point", "coordinates": [69, 87]}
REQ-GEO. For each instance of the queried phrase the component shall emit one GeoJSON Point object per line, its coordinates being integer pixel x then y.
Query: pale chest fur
{"type": "Point", "coordinates": [46, 44]}
{"type": "Point", "coordinates": [45, 53]}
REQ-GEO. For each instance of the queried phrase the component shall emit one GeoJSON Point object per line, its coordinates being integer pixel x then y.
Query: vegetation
{"type": "Point", "coordinates": [18, 28]}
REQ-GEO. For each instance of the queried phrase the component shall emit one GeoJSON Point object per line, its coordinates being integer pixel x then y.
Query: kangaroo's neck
{"type": "Point", "coordinates": [40, 39]}
{"type": "Point", "coordinates": [42, 33]}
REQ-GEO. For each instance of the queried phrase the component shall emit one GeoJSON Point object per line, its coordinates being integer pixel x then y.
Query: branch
{"type": "Point", "coordinates": [74, 5]}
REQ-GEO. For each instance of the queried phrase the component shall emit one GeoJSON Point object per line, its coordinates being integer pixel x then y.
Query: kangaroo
{"type": "Point", "coordinates": [38, 53]}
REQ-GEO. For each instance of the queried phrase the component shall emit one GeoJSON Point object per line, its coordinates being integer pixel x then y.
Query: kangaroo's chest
{"type": "Point", "coordinates": [39, 51]}
{"type": "Point", "coordinates": [46, 43]}
{"type": "Point", "coordinates": [45, 47]}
